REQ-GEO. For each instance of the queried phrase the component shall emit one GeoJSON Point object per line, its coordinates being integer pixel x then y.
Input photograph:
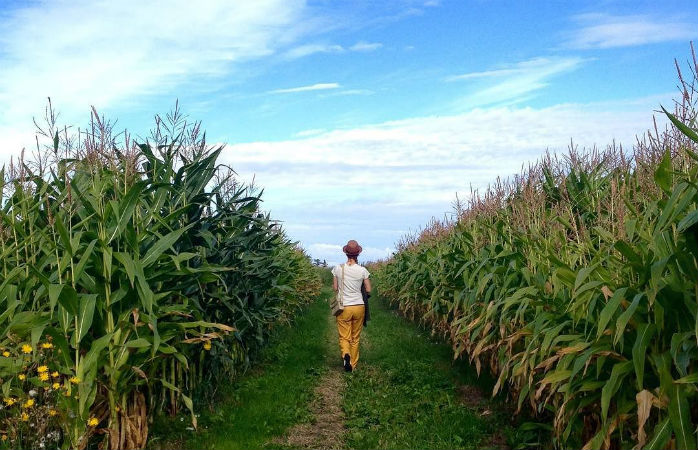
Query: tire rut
{"type": "Point", "coordinates": [326, 427]}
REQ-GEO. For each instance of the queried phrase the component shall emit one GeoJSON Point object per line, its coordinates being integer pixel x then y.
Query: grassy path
{"type": "Point", "coordinates": [262, 405]}
{"type": "Point", "coordinates": [406, 393]}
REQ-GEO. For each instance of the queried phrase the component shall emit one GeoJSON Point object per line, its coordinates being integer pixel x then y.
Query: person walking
{"type": "Point", "coordinates": [349, 277]}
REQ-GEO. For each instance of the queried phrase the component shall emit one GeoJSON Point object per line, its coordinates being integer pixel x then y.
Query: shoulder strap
{"type": "Point", "coordinates": [342, 286]}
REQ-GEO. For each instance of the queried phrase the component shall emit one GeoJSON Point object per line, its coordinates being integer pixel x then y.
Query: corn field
{"type": "Point", "coordinates": [134, 277]}
{"type": "Point", "coordinates": [576, 285]}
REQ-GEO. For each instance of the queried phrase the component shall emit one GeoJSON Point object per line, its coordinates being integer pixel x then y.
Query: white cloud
{"type": "Point", "coordinates": [607, 31]}
{"type": "Point", "coordinates": [483, 74]}
{"type": "Point", "coordinates": [312, 87]}
{"type": "Point", "coordinates": [310, 132]}
{"type": "Point", "coordinates": [363, 46]}
{"type": "Point", "coordinates": [396, 175]}
{"type": "Point", "coordinates": [332, 253]}
{"type": "Point", "coordinates": [84, 53]}
{"type": "Point", "coordinates": [351, 92]}
{"type": "Point", "coordinates": [310, 49]}
{"type": "Point", "coordinates": [304, 50]}
{"type": "Point", "coordinates": [515, 82]}
{"type": "Point", "coordinates": [532, 68]}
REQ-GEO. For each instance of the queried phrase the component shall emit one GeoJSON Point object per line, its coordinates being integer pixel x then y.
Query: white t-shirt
{"type": "Point", "coordinates": [354, 276]}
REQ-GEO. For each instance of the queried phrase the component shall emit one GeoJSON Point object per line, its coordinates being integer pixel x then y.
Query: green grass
{"type": "Point", "coordinates": [405, 393]}
{"type": "Point", "coordinates": [263, 404]}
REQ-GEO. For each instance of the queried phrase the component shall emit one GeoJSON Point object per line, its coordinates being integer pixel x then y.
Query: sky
{"type": "Point", "coordinates": [360, 119]}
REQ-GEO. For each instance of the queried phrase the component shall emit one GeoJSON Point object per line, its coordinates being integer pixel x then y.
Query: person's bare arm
{"type": "Point", "coordinates": [367, 283]}
{"type": "Point", "coordinates": [335, 286]}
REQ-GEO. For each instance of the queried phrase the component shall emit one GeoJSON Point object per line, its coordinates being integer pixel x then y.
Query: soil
{"type": "Point", "coordinates": [326, 427]}
{"type": "Point", "coordinates": [472, 397]}
{"type": "Point", "coordinates": [327, 424]}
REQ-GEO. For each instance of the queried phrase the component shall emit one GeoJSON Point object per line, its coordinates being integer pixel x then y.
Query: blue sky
{"type": "Point", "coordinates": [361, 119]}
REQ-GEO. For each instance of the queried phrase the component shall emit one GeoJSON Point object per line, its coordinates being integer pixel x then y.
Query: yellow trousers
{"type": "Point", "coordinates": [349, 325]}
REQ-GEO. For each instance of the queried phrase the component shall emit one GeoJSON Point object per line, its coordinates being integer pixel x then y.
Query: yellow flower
{"type": "Point", "coordinates": [26, 348]}
{"type": "Point", "coordinates": [93, 422]}
{"type": "Point", "coordinates": [43, 376]}
{"type": "Point", "coordinates": [52, 412]}
{"type": "Point", "coordinates": [54, 374]}
{"type": "Point", "coordinates": [42, 369]}
{"type": "Point", "coordinates": [28, 404]}
{"type": "Point", "coordinates": [25, 417]}
{"type": "Point", "coordinates": [4, 437]}
{"type": "Point", "coordinates": [74, 380]}
{"type": "Point", "coordinates": [9, 401]}
{"type": "Point", "coordinates": [6, 354]}
{"type": "Point", "coordinates": [47, 345]}
{"type": "Point", "coordinates": [22, 377]}
{"type": "Point", "coordinates": [207, 345]}
{"type": "Point", "coordinates": [56, 385]}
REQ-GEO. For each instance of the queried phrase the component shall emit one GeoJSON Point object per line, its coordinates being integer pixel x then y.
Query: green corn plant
{"type": "Point", "coordinates": [575, 285]}
{"type": "Point", "coordinates": [120, 271]}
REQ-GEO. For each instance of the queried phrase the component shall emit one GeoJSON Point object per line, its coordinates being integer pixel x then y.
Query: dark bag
{"type": "Point", "coordinates": [366, 296]}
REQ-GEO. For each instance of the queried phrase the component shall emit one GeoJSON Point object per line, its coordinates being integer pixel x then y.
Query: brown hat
{"type": "Point", "coordinates": [352, 248]}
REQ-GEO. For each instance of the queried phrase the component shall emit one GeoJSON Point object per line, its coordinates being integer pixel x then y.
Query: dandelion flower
{"type": "Point", "coordinates": [74, 380]}
{"type": "Point", "coordinates": [52, 412]}
{"type": "Point", "coordinates": [54, 374]}
{"type": "Point", "coordinates": [42, 369]}
{"type": "Point", "coordinates": [93, 422]}
{"type": "Point", "coordinates": [22, 377]}
{"type": "Point", "coordinates": [207, 345]}
{"type": "Point", "coordinates": [25, 417]}
{"type": "Point", "coordinates": [56, 385]}
{"type": "Point", "coordinates": [9, 401]}
{"type": "Point", "coordinates": [4, 437]}
{"type": "Point", "coordinates": [47, 345]}
{"type": "Point", "coordinates": [28, 404]}
{"type": "Point", "coordinates": [26, 348]}
{"type": "Point", "coordinates": [43, 376]}
{"type": "Point", "coordinates": [6, 354]}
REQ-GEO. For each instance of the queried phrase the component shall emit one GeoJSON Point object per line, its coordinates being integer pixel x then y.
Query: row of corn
{"type": "Point", "coordinates": [575, 285]}
{"type": "Point", "coordinates": [133, 278]}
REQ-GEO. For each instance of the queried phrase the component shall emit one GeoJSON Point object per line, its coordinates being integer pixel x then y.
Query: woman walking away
{"type": "Point", "coordinates": [348, 278]}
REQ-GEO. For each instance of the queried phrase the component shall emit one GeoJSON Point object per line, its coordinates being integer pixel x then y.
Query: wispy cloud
{"type": "Point", "coordinates": [352, 92]}
{"type": "Point", "coordinates": [363, 46]}
{"type": "Point", "coordinates": [113, 56]}
{"type": "Point", "coordinates": [311, 49]}
{"type": "Point", "coordinates": [332, 253]}
{"type": "Point", "coordinates": [532, 68]}
{"type": "Point", "coordinates": [351, 182]}
{"type": "Point", "coordinates": [310, 132]}
{"type": "Point", "coordinates": [608, 31]}
{"type": "Point", "coordinates": [312, 87]}
{"type": "Point", "coordinates": [515, 82]}
{"type": "Point", "coordinates": [483, 74]}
